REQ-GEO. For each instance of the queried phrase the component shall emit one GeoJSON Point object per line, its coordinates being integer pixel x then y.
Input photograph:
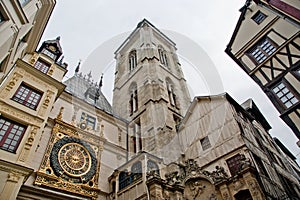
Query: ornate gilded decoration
{"type": "Point", "coordinates": [52, 48]}
{"type": "Point", "coordinates": [59, 116]}
{"type": "Point", "coordinates": [33, 59]}
{"type": "Point", "coordinates": [71, 161]}
{"type": "Point", "coordinates": [51, 70]}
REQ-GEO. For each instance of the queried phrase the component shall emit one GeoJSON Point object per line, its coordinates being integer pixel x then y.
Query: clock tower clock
{"type": "Point", "coordinates": [72, 160]}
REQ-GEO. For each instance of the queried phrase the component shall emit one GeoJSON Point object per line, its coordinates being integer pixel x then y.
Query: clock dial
{"type": "Point", "coordinates": [52, 48]}
{"type": "Point", "coordinates": [73, 160]}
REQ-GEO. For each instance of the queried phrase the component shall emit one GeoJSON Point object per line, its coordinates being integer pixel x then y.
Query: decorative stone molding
{"type": "Point", "coordinates": [33, 58]}
{"type": "Point", "coordinates": [26, 150]}
{"type": "Point", "coordinates": [238, 184]}
{"type": "Point", "coordinates": [15, 170]}
{"type": "Point", "coordinates": [51, 70]}
{"type": "Point", "coordinates": [16, 113]}
{"type": "Point", "coordinates": [47, 100]}
{"type": "Point", "coordinates": [218, 175]}
{"type": "Point", "coordinates": [13, 81]}
{"type": "Point", "coordinates": [14, 177]}
{"type": "Point", "coordinates": [32, 77]}
{"type": "Point", "coordinates": [190, 169]}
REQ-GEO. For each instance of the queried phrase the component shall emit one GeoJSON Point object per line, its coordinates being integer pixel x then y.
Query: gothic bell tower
{"type": "Point", "coordinates": [149, 89]}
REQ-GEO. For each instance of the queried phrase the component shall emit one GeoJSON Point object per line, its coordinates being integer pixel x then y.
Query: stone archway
{"type": "Point", "coordinates": [199, 188]}
{"type": "Point", "coordinates": [243, 195]}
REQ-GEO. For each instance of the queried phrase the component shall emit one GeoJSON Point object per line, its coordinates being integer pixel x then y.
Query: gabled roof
{"type": "Point", "coordinates": [55, 42]}
{"type": "Point", "coordinates": [83, 88]}
{"type": "Point", "coordinates": [136, 30]}
{"type": "Point", "coordinates": [251, 108]}
{"type": "Point", "coordinates": [243, 11]}
{"type": "Point", "coordinates": [251, 111]}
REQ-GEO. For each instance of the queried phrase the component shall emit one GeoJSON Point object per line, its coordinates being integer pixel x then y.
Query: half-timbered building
{"type": "Point", "coordinates": [266, 45]}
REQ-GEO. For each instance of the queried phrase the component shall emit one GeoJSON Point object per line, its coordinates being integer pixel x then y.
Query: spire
{"type": "Point", "coordinates": [89, 76]}
{"type": "Point", "coordinates": [60, 62]}
{"type": "Point", "coordinates": [77, 68]}
{"type": "Point", "coordinates": [97, 95]}
{"type": "Point", "coordinates": [101, 81]}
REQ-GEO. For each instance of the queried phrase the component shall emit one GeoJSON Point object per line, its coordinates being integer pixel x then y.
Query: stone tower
{"type": "Point", "coordinates": [149, 89]}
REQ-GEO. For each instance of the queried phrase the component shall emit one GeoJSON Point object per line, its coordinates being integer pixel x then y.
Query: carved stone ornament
{"type": "Point", "coordinates": [199, 188]}
{"type": "Point", "coordinates": [190, 169]}
{"type": "Point", "coordinates": [14, 177]}
{"type": "Point", "coordinates": [218, 175]}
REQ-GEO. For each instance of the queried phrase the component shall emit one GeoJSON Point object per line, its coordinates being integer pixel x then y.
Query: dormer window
{"type": "Point", "coordinates": [51, 48]}
{"type": "Point", "coordinates": [42, 66]}
{"type": "Point", "coordinates": [49, 53]}
{"type": "Point", "coordinates": [132, 60]}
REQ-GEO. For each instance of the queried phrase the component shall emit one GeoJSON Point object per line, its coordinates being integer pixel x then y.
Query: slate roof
{"type": "Point", "coordinates": [84, 88]}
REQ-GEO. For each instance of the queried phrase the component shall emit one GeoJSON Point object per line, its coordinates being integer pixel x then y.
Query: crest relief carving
{"type": "Point", "coordinates": [71, 162]}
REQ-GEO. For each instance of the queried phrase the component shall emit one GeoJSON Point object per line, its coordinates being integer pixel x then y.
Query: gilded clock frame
{"type": "Point", "coordinates": [48, 176]}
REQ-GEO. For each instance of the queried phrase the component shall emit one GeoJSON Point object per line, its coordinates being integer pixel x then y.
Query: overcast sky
{"type": "Point", "coordinates": [101, 26]}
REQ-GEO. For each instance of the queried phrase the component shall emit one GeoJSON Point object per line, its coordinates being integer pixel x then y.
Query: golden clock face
{"type": "Point", "coordinates": [52, 48]}
{"type": "Point", "coordinates": [74, 159]}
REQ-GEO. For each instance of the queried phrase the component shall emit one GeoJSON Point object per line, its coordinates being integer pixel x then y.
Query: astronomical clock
{"type": "Point", "coordinates": [71, 161]}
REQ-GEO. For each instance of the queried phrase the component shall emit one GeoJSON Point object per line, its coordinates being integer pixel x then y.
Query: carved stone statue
{"type": "Point", "coordinates": [196, 188]}
{"type": "Point", "coordinates": [244, 162]}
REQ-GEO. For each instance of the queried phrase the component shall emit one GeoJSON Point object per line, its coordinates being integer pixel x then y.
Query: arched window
{"type": "Point", "coordinates": [136, 171]}
{"type": "Point", "coordinates": [152, 167]}
{"type": "Point", "coordinates": [133, 102]}
{"type": "Point", "coordinates": [162, 56]}
{"type": "Point", "coordinates": [132, 60]}
{"type": "Point", "coordinates": [124, 180]}
{"type": "Point", "coordinates": [171, 93]}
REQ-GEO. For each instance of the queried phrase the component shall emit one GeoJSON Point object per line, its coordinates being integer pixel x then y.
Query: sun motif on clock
{"type": "Point", "coordinates": [73, 160]}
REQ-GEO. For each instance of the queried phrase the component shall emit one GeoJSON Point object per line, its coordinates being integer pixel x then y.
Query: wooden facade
{"type": "Point", "coordinates": [266, 45]}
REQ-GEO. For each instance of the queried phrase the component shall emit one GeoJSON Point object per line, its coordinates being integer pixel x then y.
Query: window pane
{"type": "Point", "coordinates": [262, 50]}
{"type": "Point", "coordinates": [234, 164]}
{"type": "Point", "coordinates": [11, 135]}
{"type": "Point", "coordinates": [42, 66]}
{"type": "Point", "coordinates": [286, 97]}
{"type": "Point", "coordinates": [205, 143]}
{"type": "Point", "coordinates": [27, 97]}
